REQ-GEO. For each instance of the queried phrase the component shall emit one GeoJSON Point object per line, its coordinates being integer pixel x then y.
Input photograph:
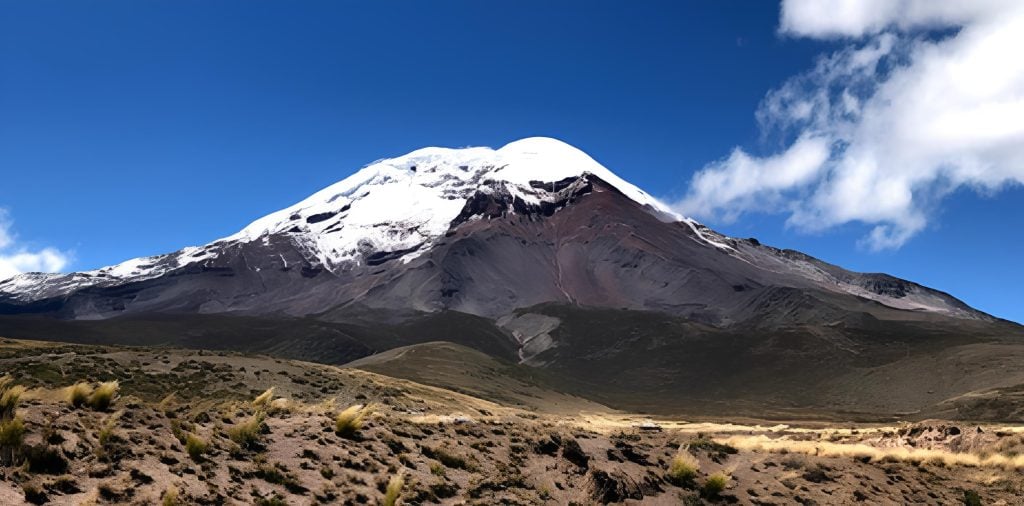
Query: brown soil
{"type": "Point", "coordinates": [451, 448]}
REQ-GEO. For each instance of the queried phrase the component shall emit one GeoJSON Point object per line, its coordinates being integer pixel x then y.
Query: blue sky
{"type": "Point", "coordinates": [135, 128]}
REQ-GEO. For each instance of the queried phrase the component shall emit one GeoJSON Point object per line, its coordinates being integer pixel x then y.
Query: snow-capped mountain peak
{"type": "Point", "coordinates": [398, 205]}
{"type": "Point", "coordinates": [403, 203]}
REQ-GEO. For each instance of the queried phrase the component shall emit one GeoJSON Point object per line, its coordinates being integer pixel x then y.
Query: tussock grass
{"type": "Point", "coordinates": [10, 394]}
{"type": "Point", "coordinates": [394, 490]}
{"type": "Point", "coordinates": [282, 405]}
{"type": "Point", "coordinates": [715, 484]}
{"type": "Point", "coordinates": [262, 401]}
{"type": "Point", "coordinates": [682, 470]}
{"type": "Point", "coordinates": [350, 421]}
{"type": "Point", "coordinates": [12, 432]}
{"type": "Point", "coordinates": [12, 428]}
{"type": "Point", "coordinates": [78, 394]}
{"type": "Point", "coordinates": [170, 497]}
{"type": "Point", "coordinates": [106, 432]}
{"type": "Point", "coordinates": [195, 446]}
{"type": "Point", "coordinates": [103, 396]}
{"type": "Point", "coordinates": [166, 405]}
{"type": "Point", "coordinates": [861, 450]}
{"type": "Point", "coordinates": [248, 432]}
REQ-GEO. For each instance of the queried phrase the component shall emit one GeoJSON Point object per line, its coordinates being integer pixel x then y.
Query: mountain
{"type": "Point", "coordinates": [519, 252]}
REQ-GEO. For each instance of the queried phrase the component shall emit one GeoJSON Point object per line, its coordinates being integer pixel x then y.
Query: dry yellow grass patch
{"type": "Point", "coordinates": [103, 396]}
{"type": "Point", "coordinates": [78, 394]}
{"type": "Point", "coordinates": [853, 450]}
{"type": "Point", "coordinates": [170, 497]}
{"type": "Point", "coordinates": [351, 420]}
{"type": "Point", "coordinates": [262, 401]}
{"type": "Point", "coordinates": [683, 468]}
{"type": "Point", "coordinates": [248, 432]}
{"type": "Point", "coordinates": [394, 490]}
{"type": "Point", "coordinates": [10, 394]}
{"type": "Point", "coordinates": [716, 484]}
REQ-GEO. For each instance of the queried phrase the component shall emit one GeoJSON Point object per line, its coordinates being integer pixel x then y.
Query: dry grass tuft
{"type": "Point", "coordinates": [195, 447]}
{"type": "Point", "coordinates": [12, 433]}
{"type": "Point", "coordinates": [394, 490]}
{"type": "Point", "coordinates": [248, 432]}
{"type": "Point", "coordinates": [262, 401]}
{"type": "Point", "coordinates": [715, 484]}
{"type": "Point", "coordinates": [106, 432]}
{"type": "Point", "coordinates": [166, 405]}
{"type": "Point", "coordinates": [10, 394]}
{"type": "Point", "coordinates": [170, 497]}
{"type": "Point", "coordinates": [103, 397]}
{"type": "Point", "coordinates": [78, 394]}
{"type": "Point", "coordinates": [12, 428]}
{"type": "Point", "coordinates": [350, 421]}
{"type": "Point", "coordinates": [683, 469]}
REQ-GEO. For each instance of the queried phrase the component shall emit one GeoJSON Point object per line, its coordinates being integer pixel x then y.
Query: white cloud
{"type": "Point", "coordinates": [16, 259]}
{"type": "Point", "coordinates": [744, 183]}
{"type": "Point", "coordinates": [854, 18]}
{"type": "Point", "coordinates": [905, 119]}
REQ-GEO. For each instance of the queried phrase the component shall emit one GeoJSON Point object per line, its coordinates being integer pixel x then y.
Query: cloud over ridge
{"type": "Point", "coordinates": [16, 259]}
{"type": "Point", "coordinates": [881, 130]}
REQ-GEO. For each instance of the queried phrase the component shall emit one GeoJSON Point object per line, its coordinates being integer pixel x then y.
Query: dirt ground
{"type": "Point", "coordinates": [441, 447]}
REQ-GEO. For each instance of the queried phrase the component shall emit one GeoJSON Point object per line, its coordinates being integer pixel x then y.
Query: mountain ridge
{"type": "Point", "coordinates": [448, 187]}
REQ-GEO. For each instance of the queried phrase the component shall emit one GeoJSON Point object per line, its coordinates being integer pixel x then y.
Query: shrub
{"type": "Point", "coordinates": [78, 394]}
{"type": "Point", "coordinates": [170, 497]}
{"type": "Point", "coordinates": [350, 421]}
{"type": "Point", "coordinates": [683, 469]}
{"type": "Point", "coordinates": [971, 498]}
{"type": "Point", "coordinates": [715, 484]}
{"type": "Point", "coordinates": [103, 397]}
{"type": "Point", "coordinates": [712, 446]}
{"type": "Point", "coordinates": [448, 459]}
{"type": "Point", "coordinates": [437, 469]}
{"type": "Point", "coordinates": [195, 447]}
{"type": "Point", "coordinates": [248, 432]}
{"type": "Point", "coordinates": [45, 459]}
{"type": "Point", "coordinates": [34, 494]}
{"type": "Point", "coordinates": [394, 490]}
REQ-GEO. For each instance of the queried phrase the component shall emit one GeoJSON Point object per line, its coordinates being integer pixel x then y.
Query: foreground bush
{"type": "Point", "coordinates": [195, 447]}
{"type": "Point", "coordinates": [170, 497]}
{"type": "Point", "coordinates": [10, 394]}
{"type": "Point", "coordinates": [12, 433]}
{"type": "Point", "coordinates": [350, 421]}
{"type": "Point", "coordinates": [103, 397]}
{"type": "Point", "coordinates": [394, 490]}
{"type": "Point", "coordinates": [682, 471]}
{"type": "Point", "coordinates": [12, 429]}
{"type": "Point", "coordinates": [247, 433]}
{"type": "Point", "coordinates": [262, 401]}
{"type": "Point", "coordinates": [715, 484]}
{"type": "Point", "coordinates": [78, 394]}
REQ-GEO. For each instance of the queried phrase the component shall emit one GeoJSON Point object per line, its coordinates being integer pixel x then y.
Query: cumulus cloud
{"type": "Point", "coordinates": [16, 259]}
{"type": "Point", "coordinates": [881, 130]}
